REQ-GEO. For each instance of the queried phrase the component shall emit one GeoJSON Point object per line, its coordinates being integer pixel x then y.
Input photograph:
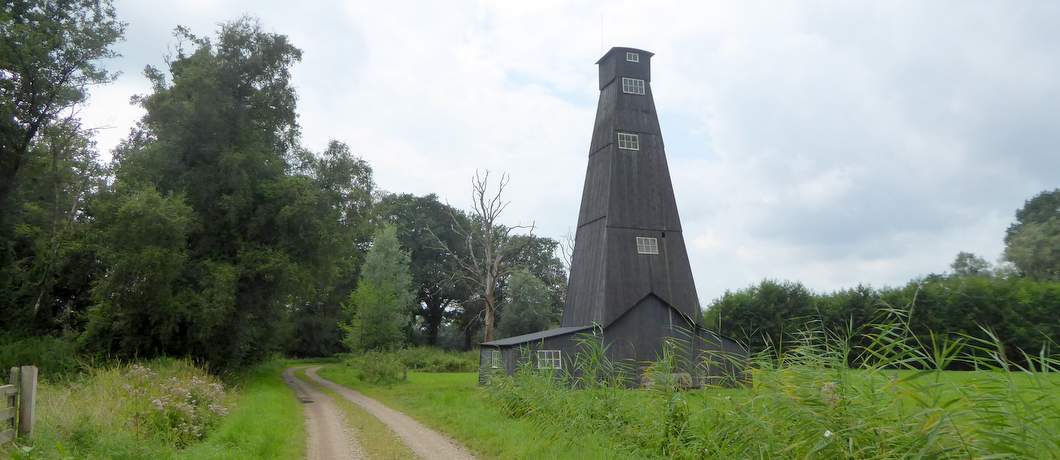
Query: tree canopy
{"type": "Point", "coordinates": [527, 306]}
{"type": "Point", "coordinates": [419, 220]}
{"type": "Point", "coordinates": [49, 55]}
{"type": "Point", "coordinates": [271, 236]}
{"type": "Point", "coordinates": [968, 264]}
{"type": "Point", "coordinates": [1032, 243]}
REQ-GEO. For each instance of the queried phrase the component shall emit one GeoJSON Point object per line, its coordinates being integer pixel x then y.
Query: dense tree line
{"type": "Point", "coordinates": [1019, 299]}
{"type": "Point", "coordinates": [1023, 313]}
{"type": "Point", "coordinates": [213, 232]}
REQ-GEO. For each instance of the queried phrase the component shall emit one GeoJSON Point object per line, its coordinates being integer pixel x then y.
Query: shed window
{"type": "Point", "coordinates": [647, 245]}
{"type": "Point", "coordinates": [495, 359]}
{"type": "Point", "coordinates": [549, 359]}
{"type": "Point", "coordinates": [628, 141]}
{"type": "Point", "coordinates": [632, 85]}
{"type": "Point", "coordinates": [632, 57]}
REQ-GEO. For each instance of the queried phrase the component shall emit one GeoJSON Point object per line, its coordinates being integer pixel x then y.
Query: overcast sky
{"type": "Point", "coordinates": [833, 143]}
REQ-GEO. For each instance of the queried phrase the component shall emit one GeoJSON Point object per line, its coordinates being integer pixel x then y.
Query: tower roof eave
{"type": "Point", "coordinates": [622, 49]}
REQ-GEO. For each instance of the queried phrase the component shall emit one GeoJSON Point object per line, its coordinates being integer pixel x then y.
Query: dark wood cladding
{"type": "Point", "coordinates": [635, 302]}
{"type": "Point", "coordinates": [627, 193]}
{"type": "Point", "coordinates": [614, 65]}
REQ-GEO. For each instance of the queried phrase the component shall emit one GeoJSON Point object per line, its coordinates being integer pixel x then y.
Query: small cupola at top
{"type": "Point", "coordinates": [624, 62]}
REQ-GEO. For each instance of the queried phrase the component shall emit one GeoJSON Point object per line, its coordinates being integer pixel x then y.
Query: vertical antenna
{"type": "Point", "coordinates": [601, 32]}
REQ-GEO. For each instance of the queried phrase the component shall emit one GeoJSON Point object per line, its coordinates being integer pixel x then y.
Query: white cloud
{"type": "Point", "coordinates": [829, 143]}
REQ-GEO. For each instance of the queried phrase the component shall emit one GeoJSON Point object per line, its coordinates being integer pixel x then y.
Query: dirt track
{"type": "Point", "coordinates": [424, 442]}
{"type": "Point", "coordinates": [328, 436]}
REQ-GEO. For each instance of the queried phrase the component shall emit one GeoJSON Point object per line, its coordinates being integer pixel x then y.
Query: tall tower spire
{"type": "Point", "coordinates": [628, 248]}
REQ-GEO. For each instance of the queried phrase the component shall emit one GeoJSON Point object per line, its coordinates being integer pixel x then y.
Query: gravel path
{"type": "Point", "coordinates": [327, 434]}
{"type": "Point", "coordinates": [425, 442]}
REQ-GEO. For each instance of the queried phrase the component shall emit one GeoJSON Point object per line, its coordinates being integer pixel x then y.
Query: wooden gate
{"type": "Point", "coordinates": [17, 402]}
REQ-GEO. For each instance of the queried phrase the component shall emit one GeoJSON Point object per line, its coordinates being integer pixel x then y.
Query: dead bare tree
{"type": "Point", "coordinates": [566, 250]}
{"type": "Point", "coordinates": [488, 244]}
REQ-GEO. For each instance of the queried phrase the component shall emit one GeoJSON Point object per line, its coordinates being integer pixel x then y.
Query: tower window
{"type": "Point", "coordinates": [632, 57]}
{"type": "Point", "coordinates": [632, 85]}
{"type": "Point", "coordinates": [628, 141]}
{"type": "Point", "coordinates": [647, 245]}
{"type": "Point", "coordinates": [549, 359]}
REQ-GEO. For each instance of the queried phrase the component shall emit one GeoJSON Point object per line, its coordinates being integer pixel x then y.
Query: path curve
{"type": "Point", "coordinates": [327, 435]}
{"type": "Point", "coordinates": [423, 441]}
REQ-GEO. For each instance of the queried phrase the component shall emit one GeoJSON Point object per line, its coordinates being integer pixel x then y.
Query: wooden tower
{"type": "Point", "coordinates": [628, 245]}
{"type": "Point", "coordinates": [630, 284]}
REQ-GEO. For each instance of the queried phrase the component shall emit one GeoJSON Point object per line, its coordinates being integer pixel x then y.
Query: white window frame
{"type": "Point", "coordinates": [549, 359]}
{"type": "Point", "coordinates": [632, 57]}
{"type": "Point", "coordinates": [495, 359]}
{"type": "Point", "coordinates": [632, 86]}
{"type": "Point", "coordinates": [647, 245]}
{"type": "Point", "coordinates": [628, 141]}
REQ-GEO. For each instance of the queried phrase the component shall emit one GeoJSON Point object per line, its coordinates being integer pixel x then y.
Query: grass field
{"type": "Point", "coordinates": [916, 416]}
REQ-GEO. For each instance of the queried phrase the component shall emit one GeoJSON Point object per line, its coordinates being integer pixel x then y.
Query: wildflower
{"type": "Point", "coordinates": [828, 433]}
{"type": "Point", "coordinates": [829, 395]}
{"type": "Point", "coordinates": [218, 409]}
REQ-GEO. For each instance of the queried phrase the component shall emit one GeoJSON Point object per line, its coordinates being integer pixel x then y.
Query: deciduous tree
{"type": "Point", "coordinates": [527, 306]}
{"type": "Point", "coordinates": [49, 56]}
{"type": "Point", "coordinates": [968, 264]}
{"type": "Point", "coordinates": [419, 219]}
{"type": "Point", "coordinates": [1032, 243]}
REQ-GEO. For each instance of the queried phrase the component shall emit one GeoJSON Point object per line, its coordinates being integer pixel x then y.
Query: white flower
{"type": "Point", "coordinates": [828, 433]}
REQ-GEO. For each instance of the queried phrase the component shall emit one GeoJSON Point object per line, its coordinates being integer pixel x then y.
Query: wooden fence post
{"type": "Point", "coordinates": [8, 407]}
{"type": "Point", "coordinates": [27, 396]}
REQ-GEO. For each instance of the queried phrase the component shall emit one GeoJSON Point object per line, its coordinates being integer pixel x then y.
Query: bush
{"type": "Point", "coordinates": [55, 358]}
{"type": "Point", "coordinates": [376, 367]}
{"type": "Point", "coordinates": [386, 368]}
{"type": "Point", "coordinates": [428, 359]}
{"type": "Point", "coordinates": [183, 407]}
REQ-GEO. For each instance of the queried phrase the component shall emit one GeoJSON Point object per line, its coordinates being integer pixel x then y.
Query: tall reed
{"type": "Point", "coordinates": [875, 392]}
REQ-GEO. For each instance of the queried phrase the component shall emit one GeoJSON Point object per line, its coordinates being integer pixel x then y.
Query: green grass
{"type": "Point", "coordinates": [808, 401]}
{"type": "Point", "coordinates": [454, 404]}
{"type": "Point", "coordinates": [377, 440]}
{"type": "Point", "coordinates": [267, 421]}
{"type": "Point", "coordinates": [110, 413]}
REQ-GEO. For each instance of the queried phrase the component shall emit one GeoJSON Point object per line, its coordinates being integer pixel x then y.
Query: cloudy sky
{"type": "Point", "coordinates": [834, 143]}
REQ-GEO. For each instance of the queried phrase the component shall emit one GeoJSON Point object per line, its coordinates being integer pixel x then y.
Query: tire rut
{"type": "Point", "coordinates": [424, 442]}
{"type": "Point", "coordinates": [327, 434]}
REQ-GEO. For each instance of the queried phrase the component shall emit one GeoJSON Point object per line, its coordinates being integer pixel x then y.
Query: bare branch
{"type": "Point", "coordinates": [566, 249]}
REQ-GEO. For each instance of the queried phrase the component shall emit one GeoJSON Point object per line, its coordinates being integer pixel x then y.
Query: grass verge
{"type": "Point", "coordinates": [165, 409]}
{"type": "Point", "coordinates": [267, 421]}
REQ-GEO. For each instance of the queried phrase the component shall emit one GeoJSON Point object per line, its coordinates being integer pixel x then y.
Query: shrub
{"type": "Point", "coordinates": [55, 357]}
{"type": "Point", "coordinates": [183, 408]}
{"type": "Point", "coordinates": [379, 368]}
{"type": "Point", "coordinates": [429, 359]}
{"type": "Point", "coordinates": [129, 411]}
